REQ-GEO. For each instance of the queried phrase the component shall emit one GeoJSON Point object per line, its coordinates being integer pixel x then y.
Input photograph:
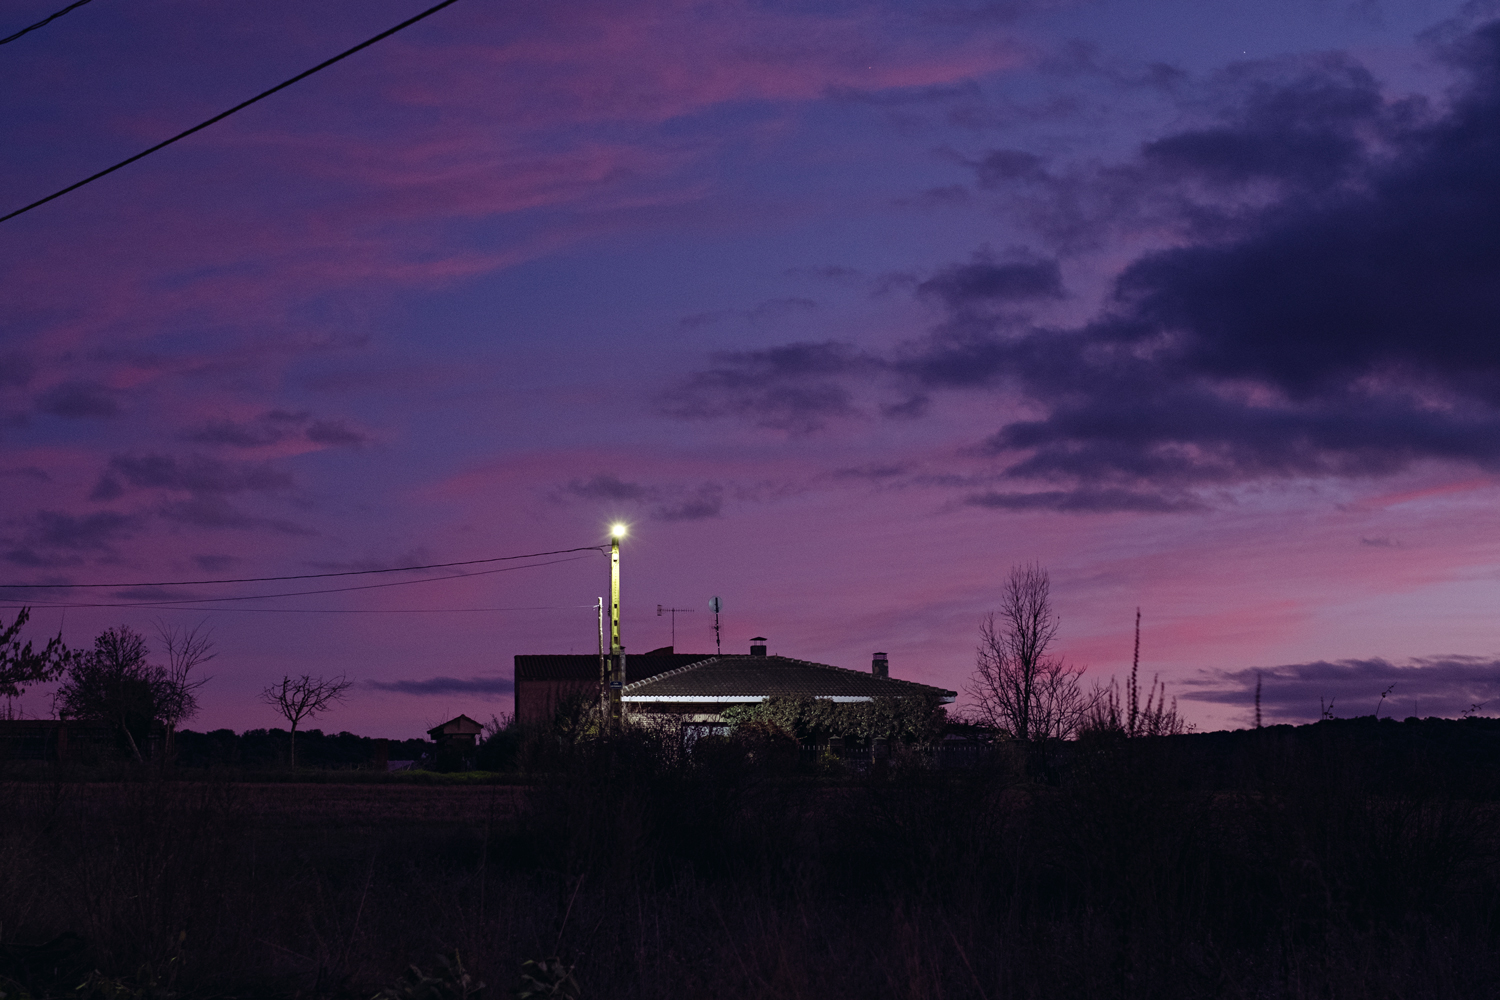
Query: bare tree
{"type": "Point", "coordinates": [298, 698]}
{"type": "Point", "coordinates": [1016, 685]}
{"type": "Point", "coordinates": [22, 665]}
{"type": "Point", "coordinates": [187, 648]}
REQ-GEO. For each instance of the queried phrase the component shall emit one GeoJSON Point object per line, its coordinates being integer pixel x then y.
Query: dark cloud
{"type": "Point", "coordinates": [1088, 501]}
{"type": "Point", "coordinates": [943, 196]}
{"type": "Point", "coordinates": [16, 369]}
{"type": "Point", "coordinates": [273, 427]}
{"type": "Point", "coordinates": [607, 486]}
{"type": "Point", "coordinates": [194, 474]}
{"type": "Point", "coordinates": [985, 281]}
{"type": "Point", "coordinates": [59, 530]}
{"type": "Point", "coordinates": [873, 472]}
{"type": "Point", "coordinates": [1330, 309]}
{"type": "Point", "coordinates": [762, 312]}
{"type": "Point", "coordinates": [107, 488]}
{"type": "Point", "coordinates": [775, 308]}
{"type": "Point", "coordinates": [26, 555]}
{"type": "Point", "coordinates": [76, 400]}
{"type": "Point", "coordinates": [215, 563]}
{"type": "Point", "coordinates": [447, 685]}
{"type": "Point", "coordinates": [412, 557]}
{"type": "Point", "coordinates": [901, 96]}
{"type": "Point", "coordinates": [216, 512]}
{"type": "Point", "coordinates": [235, 434]}
{"type": "Point", "coordinates": [335, 433]}
{"type": "Point", "coordinates": [1001, 167]}
{"type": "Point", "coordinates": [670, 502]}
{"type": "Point", "coordinates": [796, 387]}
{"type": "Point", "coordinates": [705, 502]}
{"type": "Point", "coordinates": [833, 272]}
{"type": "Point", "coordinates": [1431, 686]}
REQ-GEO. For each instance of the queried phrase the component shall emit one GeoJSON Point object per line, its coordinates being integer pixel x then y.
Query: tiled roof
{"type": "Point", "coordinates": [585, 667]}
{"type": "Point", "coordinates": [723, 678]}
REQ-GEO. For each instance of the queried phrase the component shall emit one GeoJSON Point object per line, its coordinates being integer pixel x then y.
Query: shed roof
{"type": "Point", "coordinates": [755, 678]}
{"type": "Point", "coordinates": [459, 726]}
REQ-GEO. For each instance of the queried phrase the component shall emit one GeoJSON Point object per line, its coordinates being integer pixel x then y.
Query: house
{"type": "Point", "coordinates": [462, 732]}
{"type": "Point", "coordinates": [695, 693]}
{"type": "Point", "coordinates": [545, 682]}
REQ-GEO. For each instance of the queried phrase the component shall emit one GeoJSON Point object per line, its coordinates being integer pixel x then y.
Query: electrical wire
{"type": "Point", "coordinates": [328, 611]}
{"type": "Point", "coordinates": [303, 593]}
{"type": "Point", "coordinates": [43, 22]}
{"type": "Point", "coordinates": [238, 107]}
{"type": "Point", "coordinates": [300, 576]}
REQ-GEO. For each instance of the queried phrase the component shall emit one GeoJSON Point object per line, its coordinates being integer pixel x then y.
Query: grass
{"type": "Point", "coordinates": [1314, 862]}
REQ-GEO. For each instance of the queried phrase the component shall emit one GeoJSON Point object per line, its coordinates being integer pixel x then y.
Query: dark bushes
{"type": "Point", "coordinates": [1286, 863]}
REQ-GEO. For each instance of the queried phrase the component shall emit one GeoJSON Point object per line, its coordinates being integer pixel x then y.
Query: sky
{"type": "Point", "coordinates": [846, 308]}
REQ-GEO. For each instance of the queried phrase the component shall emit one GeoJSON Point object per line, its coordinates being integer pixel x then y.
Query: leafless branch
{"type": "Point", "coordinates": [1016, 685]}
{"type": "Point", "coordinates": [304, 697]}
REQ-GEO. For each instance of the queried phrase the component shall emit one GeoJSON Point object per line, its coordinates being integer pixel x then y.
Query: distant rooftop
{"type": "Point", "coordinates": [746, 679]}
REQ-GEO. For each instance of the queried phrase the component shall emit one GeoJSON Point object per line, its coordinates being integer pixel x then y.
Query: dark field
{"type": "Point", "coordinates": [1348, 859]}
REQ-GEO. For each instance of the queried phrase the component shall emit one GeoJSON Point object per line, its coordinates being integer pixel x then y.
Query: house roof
{"type": "Point", "coordinates": [462, 725]}
{"type": "Point", "coordinates": [754, 678]}
{"type": "Point", "coordinates": [585, 667]}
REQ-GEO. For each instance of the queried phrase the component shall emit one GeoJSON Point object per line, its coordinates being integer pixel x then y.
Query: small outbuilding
{"type": "Point", "coordinates": [462, 732]}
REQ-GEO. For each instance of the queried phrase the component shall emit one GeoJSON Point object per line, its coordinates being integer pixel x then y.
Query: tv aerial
{"type": "Point", "coordinates": [673, 611]}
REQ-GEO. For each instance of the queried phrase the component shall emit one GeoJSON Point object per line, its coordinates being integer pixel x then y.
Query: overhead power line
{"type": "Point", "coordinates": [43, 22]}
{"type": "Point", "coordinates": [332, 611]}
{"type": "Point", "coordinates": [301, 576]}
{"type": "Point", "coordinates": [238, 107]}
{"type": "Point", "coordinates": [198, 601]}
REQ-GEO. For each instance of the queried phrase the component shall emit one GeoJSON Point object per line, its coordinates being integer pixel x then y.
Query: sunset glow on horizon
{"type": "Point", "coordinates": [837, 310]}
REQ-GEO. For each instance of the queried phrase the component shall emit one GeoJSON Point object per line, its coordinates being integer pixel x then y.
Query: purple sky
{"type": "Point", "coordinates": [845, 307]}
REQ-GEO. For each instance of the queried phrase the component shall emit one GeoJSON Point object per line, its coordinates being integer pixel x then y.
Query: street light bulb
{"type": "Point", "coordinates": [618, 531]}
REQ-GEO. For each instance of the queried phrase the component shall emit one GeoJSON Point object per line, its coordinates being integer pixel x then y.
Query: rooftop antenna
{"type": "Point", "coordinates": [661, 611]}
{"type": "Point", "coordinates": [714, 605]}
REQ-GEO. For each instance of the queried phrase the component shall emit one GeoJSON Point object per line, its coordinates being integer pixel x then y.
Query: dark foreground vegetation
{"type": "Point", "coordinates": [1351, 858]}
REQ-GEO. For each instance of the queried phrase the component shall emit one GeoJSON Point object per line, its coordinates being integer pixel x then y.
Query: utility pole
{"type": "Point", "coordinates": [603, 668]}
{"type": "Point", "coordinates": [616, 650]}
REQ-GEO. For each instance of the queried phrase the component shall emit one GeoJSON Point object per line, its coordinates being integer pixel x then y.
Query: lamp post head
{"type": "Point", "coordinates": [617, 531]}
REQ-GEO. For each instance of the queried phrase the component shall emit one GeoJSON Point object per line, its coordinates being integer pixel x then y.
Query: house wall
{"type": "Point", "coordinates": [536, 701]}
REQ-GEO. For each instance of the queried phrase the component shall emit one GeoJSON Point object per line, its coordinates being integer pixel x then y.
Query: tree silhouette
{"type": "Point", "coordinates": [113, 683]}
{"type": "Point", "coordinates": [22, 666]}
{"type": "Point", "coordinates": [1016, 686]}
{"type": "Point", "coordinates": [298, 698]}
{"type": "Point", "coordinates": [187, 648]}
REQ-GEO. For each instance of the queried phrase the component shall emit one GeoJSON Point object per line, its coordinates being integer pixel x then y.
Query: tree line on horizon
{"type": "Point", "coordinates": [115, 682]}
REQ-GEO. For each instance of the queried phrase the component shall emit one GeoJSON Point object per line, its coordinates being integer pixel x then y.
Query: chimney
{"type": "Point", "coordinates": [758, 646]}
{"type": "Point", "coordinates": [880, 666]}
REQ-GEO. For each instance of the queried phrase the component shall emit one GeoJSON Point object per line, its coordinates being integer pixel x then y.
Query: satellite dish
{"type": "Point", "coordinates": [714, 605]}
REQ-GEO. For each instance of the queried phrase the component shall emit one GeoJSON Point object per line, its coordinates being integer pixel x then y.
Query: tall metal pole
{"type": "Point", "coordinates": [603, 667]}
{"type": "Point", "coordinates": [616, 650]}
